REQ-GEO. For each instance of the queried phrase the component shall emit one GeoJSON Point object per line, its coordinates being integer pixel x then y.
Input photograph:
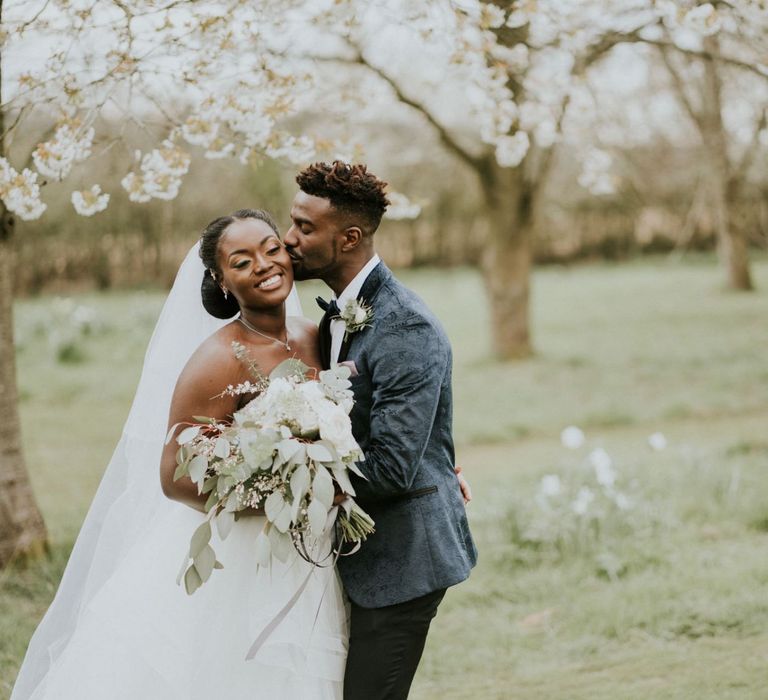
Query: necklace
{"type": "Point", "coordinates": [250, 327]}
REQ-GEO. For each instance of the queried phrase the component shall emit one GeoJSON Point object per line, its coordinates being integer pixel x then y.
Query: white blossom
{"type": "Point", "coordinates": [603, 465]}
{"type": "Point", "coordinates": [400, 207]}
{"type": "Point", "coordinates": [510, 150]}
{"type": "Point", "coordinates": [572, 437]}
{"type": "Point", "coordinates": [90, 202]}
{"type": "Point", "coordinates": [550, 485]}
{"type": "Point", "coordinates": [583, 499]}
{"type": "Point", "coordinates": [56, 157]}
{"type": "Point", "coordinates": [657, 441]}
{"type": "Point", "coordinates": [20, 192]}
{"type": "Point", "coordinates": [703, 19]}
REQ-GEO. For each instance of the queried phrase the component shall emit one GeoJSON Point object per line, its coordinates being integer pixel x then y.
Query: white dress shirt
{"type": "Point", "coordinates": [350, 292]}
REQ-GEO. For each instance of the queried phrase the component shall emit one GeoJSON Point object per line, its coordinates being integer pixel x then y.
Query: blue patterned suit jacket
{"type": "Point", "coordinates": [402, 420]}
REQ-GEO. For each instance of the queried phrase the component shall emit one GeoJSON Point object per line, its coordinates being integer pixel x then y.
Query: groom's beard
{"type": "Point", "coordinates": [302, 271]}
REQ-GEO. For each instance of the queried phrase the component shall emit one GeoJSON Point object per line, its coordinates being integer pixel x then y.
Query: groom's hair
{"type": "Point", "coordinates": [352, 190]}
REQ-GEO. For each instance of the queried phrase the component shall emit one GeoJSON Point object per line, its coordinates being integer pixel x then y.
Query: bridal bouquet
{"type": "Point", "coordinates": [288, 451]}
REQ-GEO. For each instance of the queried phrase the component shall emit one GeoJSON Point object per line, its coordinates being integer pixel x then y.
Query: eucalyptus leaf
{"type": "Point", "coordinates": [300, 457]}
{"type": "Point", "coordinates": [182, 455]}
{"type": "Point", "coordinates": [233, 502]}
{"type": "Point", "coordinates": [188, 434]}
{"type": "Point", "coordinates": [210, 484]}
{"type": "Point", "coordinates": [197, 467]}
{"type": "Point", "coordinates": [204, 562]}
{"type": "Point", "coordinates": [288, 448]}
{"type": "Point", "coordinates": [289, 368]}
{"type": "Point", "coordinates": [218, 565]}
{"type": "Point", "coordinates": [213, 499]}
{"type": "Point", "coordinates": [352, 466]}
{"type": "Point", "coordinates": [180, 471]}
{"type": "Point", "coordinates": [283, 521]}
{"type": "Point", "coordinates": [274, 505]}
{"type": "Point", "coordinates": [221, 448]}
{"type": "Point", "coordinates": [204, 419]}
{"type": "Point", "coordinates": [319, 453]}
{"type": "Point", "coordinates": [170, 432]}
{"type": "Point", "coordinates": [331, 518]}
{"type": "Point", "coordinates": [282, 544]}
{"type": "Point", "coordinates": [224, 522]}
{"type": "Point", "coordinates": [317, 514]}
{"type": "Point", "coordinates": [200, 538]}
{"type": "Point", "coordinates": [341, 476]}
{"type": "Point", "coordinates": [192, 580]}
{"type": "Point", "coordinates": [322, 487]}
{"type": "Point", "coordinates": [263, 549]}
{"type": "Point", "coordinates": [300, 481]}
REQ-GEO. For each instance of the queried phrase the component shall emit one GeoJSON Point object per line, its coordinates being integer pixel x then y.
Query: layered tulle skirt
{"type": "Point", "coordinates": [143, 638]}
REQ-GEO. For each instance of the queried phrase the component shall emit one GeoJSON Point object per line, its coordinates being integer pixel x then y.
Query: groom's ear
{"type": "Point", "coordinates": [351, 239]}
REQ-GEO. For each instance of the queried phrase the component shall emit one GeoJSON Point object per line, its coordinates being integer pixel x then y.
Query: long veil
{"type": "Point", "coordinates": [129, 493]}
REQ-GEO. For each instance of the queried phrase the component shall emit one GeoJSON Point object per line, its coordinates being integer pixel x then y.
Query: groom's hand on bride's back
{"type": "Point", "coordinates": [466, 491]}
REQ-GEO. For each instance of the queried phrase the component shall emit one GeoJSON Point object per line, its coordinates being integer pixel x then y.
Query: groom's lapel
{"type": "Point", "coordinates": [370, 289]}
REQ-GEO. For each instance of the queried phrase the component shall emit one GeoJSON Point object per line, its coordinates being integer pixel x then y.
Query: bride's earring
{"type": "Point", "coordinates": [226, 292]}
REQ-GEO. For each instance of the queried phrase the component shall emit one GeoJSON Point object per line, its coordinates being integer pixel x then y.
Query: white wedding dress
{"type": "Point", "coordinates": [121, 628]}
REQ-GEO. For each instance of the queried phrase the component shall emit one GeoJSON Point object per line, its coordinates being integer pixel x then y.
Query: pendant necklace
{"type": "Point", "coordinates": [250, 327]}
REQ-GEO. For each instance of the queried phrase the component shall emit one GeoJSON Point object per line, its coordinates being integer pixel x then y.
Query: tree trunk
{"type": "Point", "coordinates": [732, 242]}
{"type": "Point", "coordinates": [506, 262]}
{"type": "Point", "coordinates": [22, 530]}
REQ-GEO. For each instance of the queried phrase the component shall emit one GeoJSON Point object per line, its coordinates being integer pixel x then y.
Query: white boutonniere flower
{"type": "Point", "coordinates": [356, 316]}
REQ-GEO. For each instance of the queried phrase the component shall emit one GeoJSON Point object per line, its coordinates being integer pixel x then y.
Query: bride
{"type": "Point", "coordinates": [120, 626]}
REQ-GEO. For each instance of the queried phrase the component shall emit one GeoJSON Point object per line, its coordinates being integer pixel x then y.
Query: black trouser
{"type": "Point", "coordinates": [385, 646]}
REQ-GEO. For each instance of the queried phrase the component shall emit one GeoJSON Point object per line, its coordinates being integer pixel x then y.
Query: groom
{"type": "Point", "coordinates": [401, 362]}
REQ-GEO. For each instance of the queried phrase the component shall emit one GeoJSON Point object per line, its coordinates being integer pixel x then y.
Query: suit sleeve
{"type": "Point", "coordinates": [412, 359]}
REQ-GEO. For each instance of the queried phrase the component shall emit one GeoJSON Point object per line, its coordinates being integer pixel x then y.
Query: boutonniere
{"type": "Point", "coordinates": [356, 316]}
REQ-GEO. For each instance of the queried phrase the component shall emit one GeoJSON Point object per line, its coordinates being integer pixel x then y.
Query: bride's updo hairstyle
{"type": "Point", "coordinates": [214, 301]}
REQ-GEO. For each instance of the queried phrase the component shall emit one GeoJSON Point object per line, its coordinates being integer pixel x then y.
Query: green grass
{"type": "Point", "coordinates": [622, 352]}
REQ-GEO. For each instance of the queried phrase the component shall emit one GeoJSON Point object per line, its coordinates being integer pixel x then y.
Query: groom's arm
{"type": "Point", "coordinates": [408, 370]}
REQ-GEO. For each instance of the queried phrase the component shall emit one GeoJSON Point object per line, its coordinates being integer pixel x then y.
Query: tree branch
{"type": "Point", "coordinates": [679, 84]}
{"type": "Point", "coordinates": [475, 162]}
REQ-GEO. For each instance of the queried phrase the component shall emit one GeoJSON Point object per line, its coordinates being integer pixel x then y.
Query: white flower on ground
{"type": "Point", "coordinates": [583, 499]}
{"type": "Point", "coordinates": [90, 202]}
{"type": "Point", "coordinates": [622, 501]}
{"type": "Point", "coordinates": [400, 207]}
{"type": "Point", "coordinates": [657, 441]}
{"type": "Point", "coordinates": [510, 150]}
{"type": "Point", "coordinates": [572, 437]}
{"type": "Point", "coordinates": [603, 465]}
{"type": "Point", "coordinates": [550, 485]}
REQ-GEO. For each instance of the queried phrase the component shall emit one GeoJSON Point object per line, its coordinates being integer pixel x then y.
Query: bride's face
{"type": "Point", "coordinates": [254, 264]}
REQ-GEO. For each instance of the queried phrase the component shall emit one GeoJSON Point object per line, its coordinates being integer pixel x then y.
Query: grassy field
{"type": "Point", "coordinates": [666, 599]}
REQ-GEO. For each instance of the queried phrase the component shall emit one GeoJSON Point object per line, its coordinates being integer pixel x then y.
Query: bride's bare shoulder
{"type": "Point", "coordinates": [214, 360]}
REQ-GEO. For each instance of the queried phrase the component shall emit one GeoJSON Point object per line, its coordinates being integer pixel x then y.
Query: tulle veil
{"type": "Point", "coordinates": [129, 493]}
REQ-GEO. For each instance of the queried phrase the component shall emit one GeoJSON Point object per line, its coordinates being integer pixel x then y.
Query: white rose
{"type": "Point", "coordinates": [336, 427]}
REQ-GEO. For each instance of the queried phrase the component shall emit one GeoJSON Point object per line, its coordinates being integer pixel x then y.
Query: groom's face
{"type": "Point", "coordinates": [315, 237]}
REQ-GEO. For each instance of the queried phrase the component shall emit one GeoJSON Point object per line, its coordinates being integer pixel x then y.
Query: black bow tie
{"type": "Point", "coordinates": [331, 308]}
